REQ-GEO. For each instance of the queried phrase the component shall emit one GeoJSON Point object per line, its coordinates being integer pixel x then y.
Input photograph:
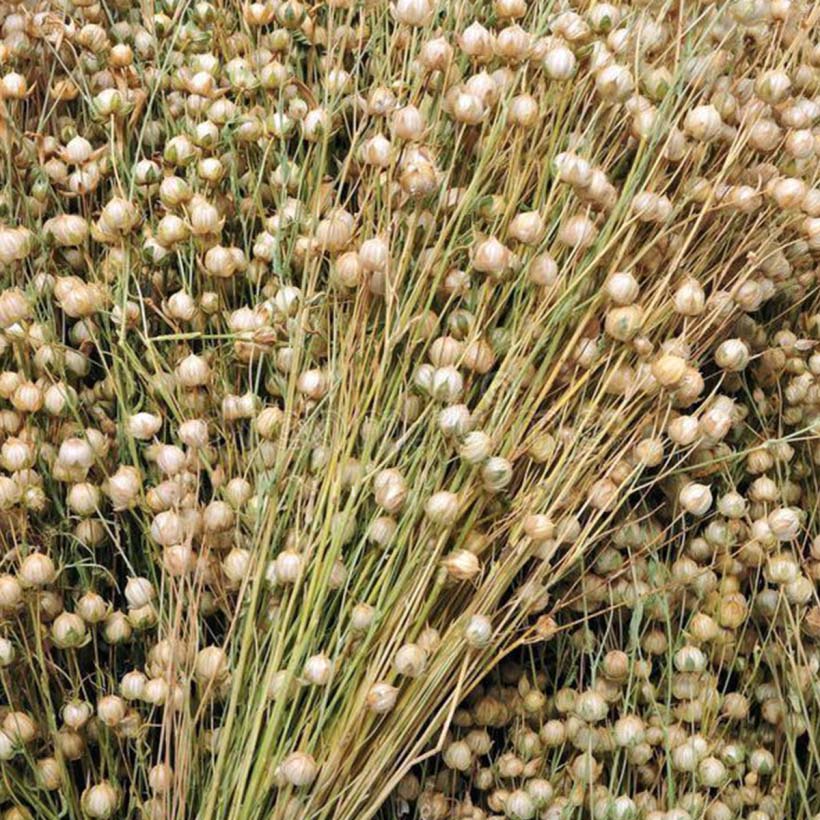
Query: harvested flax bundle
{"type": "Point", "coordinates": [339, 342]}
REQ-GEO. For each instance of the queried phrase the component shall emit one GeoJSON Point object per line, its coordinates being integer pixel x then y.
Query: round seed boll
{"type": "Point", "coordinates": [410, 660]}
{"type": "Point", "coordinates": [382, 697]}
{"type": "Point", "coordinates": [299, 769]}
{"type": "Point", "coordinates": [458, 756]}
{"type": "Point", "coordinates": [478, 631]}
{"type": "Point", "coordinates": [442, 508]}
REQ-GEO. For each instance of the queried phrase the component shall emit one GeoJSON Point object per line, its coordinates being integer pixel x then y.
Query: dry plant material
{"type": "Point", "coordinates": [337, 342]}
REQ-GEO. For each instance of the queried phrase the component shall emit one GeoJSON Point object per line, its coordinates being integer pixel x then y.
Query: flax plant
{"type": "Point", "coordinates": [339, 344]}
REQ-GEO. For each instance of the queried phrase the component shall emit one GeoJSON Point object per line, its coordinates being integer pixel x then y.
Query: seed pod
{"type": "Point", "coordinates": [410, 660]}
{"type": "Point", "coordinates": [66, 230]}
{"type": "Point", "coordinates": [381, 698]}
{"type": "Point", "coordinates": [123, 487]}
{"type": "Point", "coordinates": [527, 227]}
{"type": "Point", "coordinates": [695, 498]}
{"type": "Point", "coordinates": [455, 421]}
{"type": "Point", "coordinates": [702, 123]}
{"type": "Point", "coordinates": [462, 565]}
{"type": "Point", "coordinates": [689, 298]}
{"type": "Point", "coordinates": [669, 369]}
{"type": "Point", "coordinates": [19, 728]}
{"type": "Point", "coordinates": [475, 447]}
{"type": "Point", "coordinates": [160, 778]}
{"type": "Point", "coordinates": [458, 756]}
{"type": "Point", "coordinates": [478, 631]}
{"type": "Point", "coordinates": [237, 565]}
{"type": "Point", "coordinates": [111, 709]}
{"type": "Point", "coordinates": [15, 245]}
{"type": "Point", "coordinates": [211, 665]}
{"type": "Point", "coordinates": [139, 592]}
{"type": "Point", "coordinates": [491, 256]}
{"type": "Point", "coordinates": [614, 83]}
{"type": "Point", "coordinates": [36, 570]}
{"type": "Point", "coordinates": [784, 523]}
{"type": "Point", "coordinates": [442, 508]}
{"type": "Point", "coordinates": [476, 42]}
{"type": "Point", "coordinates": [543, 271]}
{"type": "Point", "coordinates": [390, 490]}
{"type": "Point", "coordinates": [68, 630]}
{"type": "Point", "coordinates": [623, 323]}
{"type": "Point", "coordinates": [578, 232]}
{"type": "Point", "coordinates": [496, 473]}
{"type": "Point", "coordinates": [100, 800]}
{"type": "Point", "coordinates": [732, 355]}
{"type": "Point", "coordinates": [318, 670]}
{"type": "Point", "coordinates": [11, 592]}
{"type": "Point", "coordinates": [622, 288]}
{"type": "Point", "coordinates": [560, 63]}
{"type": "Point", "coordinates": [132, 685]}
{"type": "Point", "coordinates": [519, 805]}
{"type": "Point", "coordinates": [49, 774]}
{"type": "Point", "coordinates": [416, 13]}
